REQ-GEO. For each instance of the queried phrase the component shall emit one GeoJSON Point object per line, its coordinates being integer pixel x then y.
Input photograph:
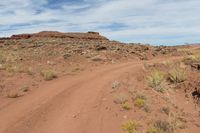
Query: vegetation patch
{"type": "Point", "coordinates": [48, 74]}
{"type": "Point", "coordinates": [24, 88]}
{"type": "Point", "coordinates": [126, 106]}
{"type": "Point", "coordinates": [163, 126]}
{"type": "Point", "coordinates": [191, 59]}
{"type": "Point", "coordinates": [13, 95]}
{"type": "Point", "coordinates": [153, 129]}
{"type": "Point", "coordinates": [130, 126]}
{"type": "Point", "coordinates": [120, 98]}
{"type": "Point", "coordinates": [165, 110]}
{"type": "Point", "coordinates": [177, 75]}
{"type": "Point", "coordinates": [156, 80]}
{"type": "Point", "coordinates": [139, 101]}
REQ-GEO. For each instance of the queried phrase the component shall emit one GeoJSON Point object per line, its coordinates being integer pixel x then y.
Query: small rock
{"type": "Point", "coordinates": [50, 63]}
{"type": "Point", "coordinates": [98, 58]}
{"type": "Point", "coordinates": [74, 116]}
{"type": "Point", "coordinates": [115, 84]}
{"type": "Point", "coordinates": [125, 116]}
{"type": "Point", "coordinates": [65, 56]}
{"type": "Point", "coordinates": [104, 99]}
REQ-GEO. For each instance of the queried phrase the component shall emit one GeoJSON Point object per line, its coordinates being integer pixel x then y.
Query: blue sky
{"type": "Point", "coordinates": [159, 22]}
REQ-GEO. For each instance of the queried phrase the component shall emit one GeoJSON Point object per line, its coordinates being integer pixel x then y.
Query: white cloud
{"type": "Point", "coordinates": [149, 21]}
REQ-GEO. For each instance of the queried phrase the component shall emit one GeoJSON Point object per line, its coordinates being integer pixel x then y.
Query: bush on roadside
{"type": "Point", "coordinates": [48, 74]}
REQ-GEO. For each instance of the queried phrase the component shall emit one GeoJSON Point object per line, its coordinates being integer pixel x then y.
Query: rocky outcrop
{"type": "Point", "coordinates": [54, 34]}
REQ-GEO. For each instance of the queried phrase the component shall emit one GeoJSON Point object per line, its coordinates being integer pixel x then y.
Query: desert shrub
{"type": "Point", "coordinates": [153, 129]}
{"type": "Point", "coordinates": [2, 58]}
{"type": "Point", "coordinates": [120, 98]}
{"type": "Point", "coordinates": [147, 108]}
{"type": "Point", "coordinates": [48, 74]}
{"type": "Point", "coordinates": [29, 71]}
{"type": "Point", "coordinates": [24, 88]}
{"type": "Point", "coordinates": [155, 78]}
{"type": "Point", "coordinates": [163, 126]}
{"type": "Point", "coordinates": [130, 126]}
{"type": "Point", "coordinates": [139, 102]}
{"type": "Point", "coordinates": [167, 62]}
{"type": "Point", "coordinates": [13, 95]}
{"type": "Point", "coordinates": [165, 110]}
{"type": "Point", "coordinates": [177, 122]}
{"type": "Point", "coordinates": [126, 106]}
{"type": "Point", "coordinates": [185, 50]}
{"type": "Point", "coordinates": [177, 75]}
{"type": "Point", "coordinates": [191, 59]}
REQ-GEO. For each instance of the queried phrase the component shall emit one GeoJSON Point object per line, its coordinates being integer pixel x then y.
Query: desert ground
{"type": "Point", "coordinates": [53, 82]}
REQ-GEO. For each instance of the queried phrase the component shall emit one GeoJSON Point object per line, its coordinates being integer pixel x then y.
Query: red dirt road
{"type": "Point", "coordinates": [74, 104]}
{"type": "Point", "coordinates": [66, 105]}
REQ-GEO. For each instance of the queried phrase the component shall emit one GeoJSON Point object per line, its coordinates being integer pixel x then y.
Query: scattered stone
{"type": "Point", "coordinates": [115, 85]}
{"type": "Point", "coordinates": [100, 48]}
{"type": "Point", "coordinates": [98, 58]}
{"type": "Point", "coordinates": [66, 56]}
{"type": "Point", "coordinates": [125, 117]}
{"type": "Point", "coordinates": [195, 66]}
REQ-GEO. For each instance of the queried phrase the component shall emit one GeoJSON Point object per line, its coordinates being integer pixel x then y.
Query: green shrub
{"type": "Point", "coordinates": [130, 126]}
{"type": "Point", "coordinates": [48, 74]}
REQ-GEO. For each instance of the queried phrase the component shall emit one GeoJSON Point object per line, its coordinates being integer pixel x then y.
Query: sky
{"type": "Point", "coordinates": [157, 22]}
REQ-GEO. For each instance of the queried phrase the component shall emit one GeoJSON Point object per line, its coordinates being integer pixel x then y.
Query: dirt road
{"type": "Point", "coordinates": [66, 105]}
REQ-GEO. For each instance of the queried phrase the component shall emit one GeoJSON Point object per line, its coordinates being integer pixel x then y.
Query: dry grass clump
{"type": "Point", "coordinates": [191, 59]}
{"type": "Point", "coordinates": [167, 62]}
{"type": "Point", "coordinates": [29, 71]}
{"type": "Point", "coordinates": [153, 129]}
{"type": "Point", "coordinates": [13, 95]}
{"type": "Point", "coordinates": [177, 75]}
{"type": "Point", "coordinates": [156, 80]}
{"type": "Point", "coordinates": [139, 100]}
{"type": "Point", "coordinates": [24, 88]}
{"type": "Point", "coordinates": [2, 58]}
{"type": "Point", "coordinates": [48, 74]}
{"type": "Point", "coordinates": [163, 126]}
{"type": "Point", "coordinates": [130, 126]}
{"type": "Point", "coordinates": [165, 110]}
{"type": "Point", "coordinates": [126, 106]}
{"type": "Point", "coordinates": [120, 98]}
{"type": "Point", "coordinates": [185, 50]}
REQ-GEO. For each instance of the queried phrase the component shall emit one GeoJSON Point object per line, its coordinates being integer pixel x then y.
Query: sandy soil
{"type": "Point", "coordinates": [71, 104]}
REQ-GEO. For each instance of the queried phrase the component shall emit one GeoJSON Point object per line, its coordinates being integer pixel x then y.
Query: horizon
{"type": "Point", "coordinates": [155, 22]}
